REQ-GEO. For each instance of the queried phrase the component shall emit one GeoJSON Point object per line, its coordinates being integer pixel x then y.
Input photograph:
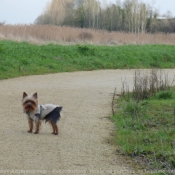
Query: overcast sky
{"type": "Point", "coordinates": [26, 11]}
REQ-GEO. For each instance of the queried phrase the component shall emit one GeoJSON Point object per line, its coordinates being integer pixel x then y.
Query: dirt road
{"type": "Point", "coordinates": [81, 146]}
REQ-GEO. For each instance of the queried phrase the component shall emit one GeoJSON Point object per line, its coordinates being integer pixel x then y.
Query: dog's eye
{"type": "Point", "coordinates": [32, 102]}
{"type": "Point", "coordinates": [25, 103]}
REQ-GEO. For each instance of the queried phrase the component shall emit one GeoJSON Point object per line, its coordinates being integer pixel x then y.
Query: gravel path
{"type": "Point", "coordinates": [81, 146]}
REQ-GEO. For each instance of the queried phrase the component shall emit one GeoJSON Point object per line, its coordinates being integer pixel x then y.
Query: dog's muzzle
{"type": "Point", "coordinates": [29, 106]}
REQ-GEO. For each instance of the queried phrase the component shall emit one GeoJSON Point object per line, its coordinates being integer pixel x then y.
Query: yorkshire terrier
{"type": "Point", "coordinates": [35, 113]}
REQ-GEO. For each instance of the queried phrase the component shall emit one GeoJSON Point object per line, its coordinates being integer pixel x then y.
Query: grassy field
{"type": "Point", "coordinates": [22, 58]}
{"type": "Point", "coordinates": [44, 34]}
{"type": "Point", "coordinates": [145, 127]}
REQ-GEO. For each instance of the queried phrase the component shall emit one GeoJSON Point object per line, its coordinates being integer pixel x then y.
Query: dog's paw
{"type": "Point", "coordinates": [54, 133]}
{"type": "Point", "coordinates": [29, 131]}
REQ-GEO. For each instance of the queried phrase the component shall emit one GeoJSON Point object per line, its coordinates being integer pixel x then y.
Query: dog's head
{"type": "Point", "coordinates": [30, 102]}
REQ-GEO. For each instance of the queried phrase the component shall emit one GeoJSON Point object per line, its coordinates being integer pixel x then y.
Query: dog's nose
{"type": "Point", "coordinates": [29, 103]}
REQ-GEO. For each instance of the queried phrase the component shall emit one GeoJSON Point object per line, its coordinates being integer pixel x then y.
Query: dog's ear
{"type": "Point", "coordinates": [35, 95]}
{"type": "Point", "coordinates": [24, 94]}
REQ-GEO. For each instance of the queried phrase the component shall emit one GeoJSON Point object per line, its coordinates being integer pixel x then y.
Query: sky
{"type": "Point", "coordinates": [26, 11]}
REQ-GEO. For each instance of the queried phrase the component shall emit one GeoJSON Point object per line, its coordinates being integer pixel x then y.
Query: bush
{"type": "Point", "coordinates": [165, 95]}
{"type": "Point", "coordinates": [86, 50]}
{"type": "Point", "coordinates": [132, 108]}
{"type": "Point", "coordinates": [85, 36]}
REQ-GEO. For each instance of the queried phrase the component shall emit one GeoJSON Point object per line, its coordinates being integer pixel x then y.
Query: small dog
{"type": "Point", "coordinates": [35, 113]}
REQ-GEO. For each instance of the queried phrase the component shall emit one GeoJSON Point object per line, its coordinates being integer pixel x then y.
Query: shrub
{"type": "Point", "coordinates": [86, 50]}
{"type": "Point", "coordinates": [165, 95]}
{"type": "Point", "coordinates": [85, 36]}
{"type": "Point", "coordinates": [132, 108]}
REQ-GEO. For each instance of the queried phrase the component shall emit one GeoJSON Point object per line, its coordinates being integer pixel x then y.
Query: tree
{"type": "Point", "coordinates": [130, 16]}
{"type": "Point", "coordinates": [55, 12]}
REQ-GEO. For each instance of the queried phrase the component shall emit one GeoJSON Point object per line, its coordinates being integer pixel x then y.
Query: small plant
{"type": "Point", "coordinates": [1, 48]}
{"type": "Point", "coordinates": [141, 90]}
{"type": "Point", "coordinates": [132, 108]}
{"type": "Point", "coordinates": [85, 36]}
{"type": "Point", "coordinates": [125, 90]}
{"type": "Point", "coordinates": [165, 95]}
{"type": "Point", "coordinates": [86, 50]}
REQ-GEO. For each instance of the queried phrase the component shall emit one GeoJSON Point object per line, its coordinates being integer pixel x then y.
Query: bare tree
{"type": "Point", "coordinates": [130, 16]}
{"type": "Point", "coordinates": [55, 13]}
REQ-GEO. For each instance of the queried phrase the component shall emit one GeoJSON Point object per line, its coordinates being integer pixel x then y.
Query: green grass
{"type": "Point", "coordinates": [147, 129]}
{"type": "Point", "coordinates": [18, 59]}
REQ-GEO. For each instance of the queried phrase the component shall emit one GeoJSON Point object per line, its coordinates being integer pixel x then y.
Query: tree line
{"type": "Point", "coordinates": [129, 16]}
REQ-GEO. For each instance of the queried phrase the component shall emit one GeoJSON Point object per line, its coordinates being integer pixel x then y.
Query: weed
{"type": "Point", "coordinates": [165, 95]}
{"type": "Point", "coordinates": [86, 50]}
{"type": "Point", "coordinates": [1, 48]}
{"type": "Point", "coordinates": [132, 108]}
{"type": "Point", "coordinates": [85, 36]}
{"type": "Point", "coordinates": [146, 84]}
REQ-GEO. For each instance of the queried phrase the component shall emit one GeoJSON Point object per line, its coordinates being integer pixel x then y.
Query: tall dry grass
{"type": "Point", "coordinates": [43, 34]}
{"type": "Point", "coordinates": [146, 84]}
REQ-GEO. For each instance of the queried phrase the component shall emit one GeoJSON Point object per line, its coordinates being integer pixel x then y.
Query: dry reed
{"type": "Point", "coordinates": [146, 84]}
{"type": "Point", "coordinates": [44, 34]}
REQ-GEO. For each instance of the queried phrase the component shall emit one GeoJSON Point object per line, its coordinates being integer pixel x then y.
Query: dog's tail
{"type": "Point", "coordinates": [60, 109]}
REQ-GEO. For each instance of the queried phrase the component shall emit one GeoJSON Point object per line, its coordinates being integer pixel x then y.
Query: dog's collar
{"type": "Point", "coordinates": [41, 108]}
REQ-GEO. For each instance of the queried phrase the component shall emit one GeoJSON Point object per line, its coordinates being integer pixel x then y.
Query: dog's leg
{"type": "Point", "coordinates": [30, 122]}
{"type": "Point", "coordinates": [37, 127]}
{"type": "Point", "coordinates": [54, 127]}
